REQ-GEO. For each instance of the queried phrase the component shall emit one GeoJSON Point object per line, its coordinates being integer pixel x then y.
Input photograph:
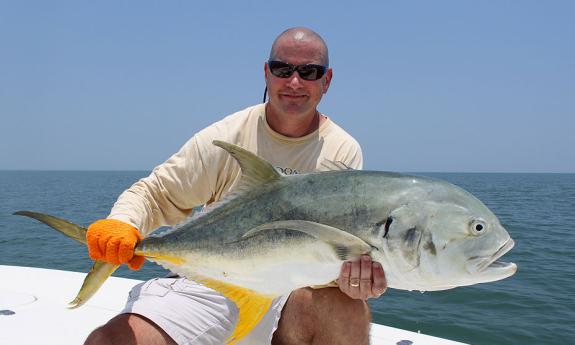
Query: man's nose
{"type": "Point", "coordinates": [294, 81]}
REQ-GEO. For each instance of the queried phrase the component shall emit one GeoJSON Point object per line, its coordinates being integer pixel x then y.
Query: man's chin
{"type": "Point", "coordinates": [295, 110]}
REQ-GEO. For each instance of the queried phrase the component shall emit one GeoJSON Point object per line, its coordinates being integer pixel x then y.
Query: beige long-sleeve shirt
{"type": "Point", "coordinates": [201, 173]}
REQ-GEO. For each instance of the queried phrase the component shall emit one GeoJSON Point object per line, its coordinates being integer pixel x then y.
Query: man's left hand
{"type": "Point", "coordinates": [362, 279]}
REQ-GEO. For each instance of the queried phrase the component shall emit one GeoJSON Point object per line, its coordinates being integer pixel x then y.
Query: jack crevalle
{"type": "Point", "coordinates": [279, 233]}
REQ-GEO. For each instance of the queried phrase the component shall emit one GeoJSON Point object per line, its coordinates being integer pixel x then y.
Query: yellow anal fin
{"type": "Point", "coordinates": [251, 305]}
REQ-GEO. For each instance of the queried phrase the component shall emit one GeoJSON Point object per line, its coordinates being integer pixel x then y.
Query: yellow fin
{"type": "Point", "coordinates": [251, 305]}
{"type": "Point", "coordinates": [176, 260]}
{"type": "Point", "coordinates": [69, 229]}
{"type": "Point", "coordinates": [93, 281]}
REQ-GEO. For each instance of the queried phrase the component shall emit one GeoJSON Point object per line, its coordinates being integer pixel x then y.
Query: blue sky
{"type": "Point", "coordinates": [464, 86]}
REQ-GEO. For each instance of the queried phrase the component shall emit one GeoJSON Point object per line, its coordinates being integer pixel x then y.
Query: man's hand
{"type": "Point", "coordinates": [362, 279]}
{"type": "Point", "coordinates": [113, 241]}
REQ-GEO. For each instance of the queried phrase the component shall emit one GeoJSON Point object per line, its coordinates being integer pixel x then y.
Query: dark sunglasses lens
{"type": "Point", "coordinates": [280, 69]}
{"type": "Point", "coordinates": [306, 72]}
{"type": "Point", "coordinates": [310, 72]}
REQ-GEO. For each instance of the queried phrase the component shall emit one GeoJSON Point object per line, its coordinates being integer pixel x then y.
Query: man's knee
{"type": "Point", "coordinates": [340, 319]}
{"type": "Point", "coordinates": [295, 324]}
{"type": "Point", "coordinates": [104, 335]}
{"type": "Point", "coordinates": [126, 329]}
{"type": "Point", "coordinates": [334, 307]}
{"type": "Point", "coordinates": [329, 305]}
{"type": "Point", "coordinates": [323, 316]}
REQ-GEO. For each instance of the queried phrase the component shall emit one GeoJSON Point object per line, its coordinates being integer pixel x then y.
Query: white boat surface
{"type": "Point", "coordinates": [33, 309]}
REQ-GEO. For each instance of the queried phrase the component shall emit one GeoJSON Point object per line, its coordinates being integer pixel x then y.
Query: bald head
{"type": "Point", "coordinates": [300, 36]}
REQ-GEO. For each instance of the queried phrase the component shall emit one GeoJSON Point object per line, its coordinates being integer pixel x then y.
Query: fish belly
{"type": "Point", "coordinates": [271, 269]}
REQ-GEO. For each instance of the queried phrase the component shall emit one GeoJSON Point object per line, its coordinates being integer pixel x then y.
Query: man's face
{"type": "Point", "coordinates": [294, 95]}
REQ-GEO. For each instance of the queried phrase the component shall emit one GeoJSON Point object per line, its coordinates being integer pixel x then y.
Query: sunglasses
{"type": "Point", "coordinates": [306, 72]}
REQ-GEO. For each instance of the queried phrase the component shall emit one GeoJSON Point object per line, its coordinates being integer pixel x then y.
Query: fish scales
{"type": "Point", "coordinates": [287, 200]}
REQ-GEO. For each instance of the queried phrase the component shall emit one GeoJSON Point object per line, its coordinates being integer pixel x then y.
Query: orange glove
{"type": "Point", "coordinates": [114, 241]}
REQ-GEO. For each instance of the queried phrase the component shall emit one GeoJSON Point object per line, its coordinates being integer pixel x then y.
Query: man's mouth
{"type": "Point", "coordinates": [292, 96]}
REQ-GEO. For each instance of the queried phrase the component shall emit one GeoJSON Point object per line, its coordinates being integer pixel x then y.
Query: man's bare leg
{"type": "Point", "coordinates": [128, 329]}
{"type": "Point", "coordinates": [323, 316]}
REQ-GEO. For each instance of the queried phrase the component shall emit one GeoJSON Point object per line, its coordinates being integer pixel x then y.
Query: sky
{"type": "Point", "coordinates": [424, 86]}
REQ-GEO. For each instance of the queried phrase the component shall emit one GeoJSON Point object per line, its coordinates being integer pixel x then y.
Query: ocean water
{"type": "Point", "coordinates": [535, 306]}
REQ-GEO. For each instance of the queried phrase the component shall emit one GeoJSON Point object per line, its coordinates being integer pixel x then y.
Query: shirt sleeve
{"type": "Point", "coordinates": [169, 194]}
{"type": "Point", "coordinates": [353, 157]}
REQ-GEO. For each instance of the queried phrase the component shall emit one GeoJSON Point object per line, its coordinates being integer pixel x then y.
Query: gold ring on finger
{"type": "Point", "coordinates": [354, 282]}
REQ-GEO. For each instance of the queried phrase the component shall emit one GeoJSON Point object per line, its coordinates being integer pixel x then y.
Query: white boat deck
{"type": "Point", "coordinates": [33, 310]}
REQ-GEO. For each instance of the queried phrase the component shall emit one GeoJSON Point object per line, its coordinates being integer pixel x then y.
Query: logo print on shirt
{"type": "Point", "coordinates": [287, 171]}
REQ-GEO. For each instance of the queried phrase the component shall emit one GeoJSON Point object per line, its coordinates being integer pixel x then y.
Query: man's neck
{"type": "Point", "coordinates": [296, 126]}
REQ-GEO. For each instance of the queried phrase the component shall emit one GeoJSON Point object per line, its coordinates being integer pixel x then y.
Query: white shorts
{"type": "Point", "coordinates": [191, 313]}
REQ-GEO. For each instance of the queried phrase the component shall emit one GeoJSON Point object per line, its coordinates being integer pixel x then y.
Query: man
{"type": "Point", "coordinates": [289, 132]}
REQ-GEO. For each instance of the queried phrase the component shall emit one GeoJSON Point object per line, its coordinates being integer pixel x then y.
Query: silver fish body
{"type": "Point", "coordinates": [421, 230]}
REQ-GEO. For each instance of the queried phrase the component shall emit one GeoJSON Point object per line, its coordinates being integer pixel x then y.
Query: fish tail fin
{"type": "Point", "coordinates": [251, 305]}
{"type": "Point", "coordinates": [96, 277]}
{"type": "Point", "coordinates": [71, 230]}
{"type": "Point", "coordinates": [100, 270]}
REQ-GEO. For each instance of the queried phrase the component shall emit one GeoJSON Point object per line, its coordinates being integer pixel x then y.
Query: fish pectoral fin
{"type": "Point", "coordinates": [345, 244]}
{"type": "Point", "coordinates": [252, 306]}
{"type": "Point", "coordinates": [96, 277]}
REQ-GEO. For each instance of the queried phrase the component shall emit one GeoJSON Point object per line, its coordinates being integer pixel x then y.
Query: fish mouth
{"type": "Point", "coordinates": [490, 266]}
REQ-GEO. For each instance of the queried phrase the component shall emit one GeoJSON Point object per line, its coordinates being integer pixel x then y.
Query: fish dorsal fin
{"type": "Point", "coordinates": [251, 305]}
{"type": "Point", "coordinates": [328, 165]}
{"type": "Point", "coordinates": [345, 244]}
{"type": "Point", "coordinates": [255, 170]}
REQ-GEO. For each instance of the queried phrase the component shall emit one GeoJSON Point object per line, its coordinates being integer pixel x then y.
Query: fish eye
{"type": "Point", "coordinates": [478, 226]}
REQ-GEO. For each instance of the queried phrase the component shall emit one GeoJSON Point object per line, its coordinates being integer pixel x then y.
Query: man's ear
{"type": "Point", "coordinates": [327, 80]}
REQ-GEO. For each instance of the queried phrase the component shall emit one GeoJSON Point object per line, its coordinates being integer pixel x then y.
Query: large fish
{"type": "Point", "coordinates": [279, 233]}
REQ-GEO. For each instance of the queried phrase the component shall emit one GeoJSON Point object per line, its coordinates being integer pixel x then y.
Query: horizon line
{"type": "Point", "coordinates": [402, 172]}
